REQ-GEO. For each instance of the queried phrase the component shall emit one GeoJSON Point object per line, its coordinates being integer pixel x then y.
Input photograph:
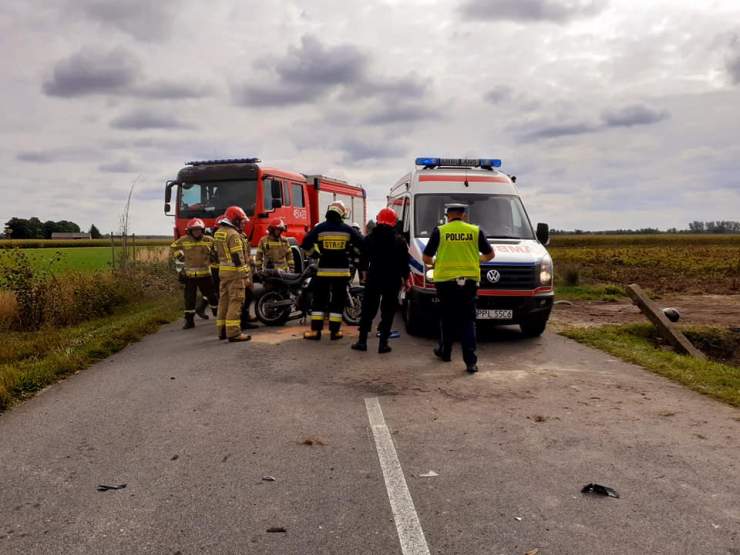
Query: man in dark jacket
{"type": "Point", "coordinates": [386, 257]}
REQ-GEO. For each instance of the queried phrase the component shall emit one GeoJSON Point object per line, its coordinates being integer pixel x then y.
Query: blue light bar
{"type": "Point", "coordinates": [225, 161]}
{"type": "Point", "coordinates": [428, 162]}
{"type": "Point", "coordinates": [459, 162]}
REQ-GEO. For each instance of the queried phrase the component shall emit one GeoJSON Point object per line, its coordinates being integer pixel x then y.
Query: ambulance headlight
{"type": "Point", "coordinates": [546, 271]}
{"type": "Point", "coordinates": [430, 275]}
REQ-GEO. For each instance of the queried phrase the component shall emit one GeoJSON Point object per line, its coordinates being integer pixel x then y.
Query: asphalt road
{"type": "Point", "coordinates": [192, 425]}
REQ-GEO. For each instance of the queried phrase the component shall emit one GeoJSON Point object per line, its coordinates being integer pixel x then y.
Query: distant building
{"type": "Point", "coordinates": [70, 236]}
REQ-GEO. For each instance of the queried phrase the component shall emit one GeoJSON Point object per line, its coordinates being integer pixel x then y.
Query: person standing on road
{"type": "Point", "coordinates": [234, 274]}
{"type": "Point", "coordinates": [273, 251]}
{"type": "Point", "coordinates": [335, 243]}
{"type": "Point", "coordinates": [386, 260]}
{"type": "Point", "coordinates": [196, 248]}
{"type": "Point", "coordinates": [459, 247]}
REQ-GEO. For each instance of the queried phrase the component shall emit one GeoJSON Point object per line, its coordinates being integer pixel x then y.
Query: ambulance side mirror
{"type": "Point", "coordinates": [543, 234]}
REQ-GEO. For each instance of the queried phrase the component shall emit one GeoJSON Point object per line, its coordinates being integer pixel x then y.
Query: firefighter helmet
{"type": "Point", "coordinates": [235, 213]}
{"type": "Point", "coordinates": [220, 219]}
{"type": "Point", "coordinates": [195, 223]}
{"type": "Point", "coordinates": [387, 217]}
{"type": "Point", "coordinates": [338, 207]}
{"type": "Point", "coordinates": [277, 223]}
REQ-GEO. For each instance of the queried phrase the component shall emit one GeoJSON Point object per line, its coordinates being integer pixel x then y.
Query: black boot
{"type": "Point", "coordinates": [200, 310]}
{"type": "Point", "coordinates": [383, 346]}
{"type": "Point", "coordinates": [189, 321]}
{"type": "Point", "coordinates": [442, 355]}
{"type": "Point", "coordinates": [361, 344]}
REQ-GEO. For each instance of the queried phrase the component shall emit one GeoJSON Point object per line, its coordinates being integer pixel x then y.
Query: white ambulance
{"type": "Point", "coordinates": [516, 287]}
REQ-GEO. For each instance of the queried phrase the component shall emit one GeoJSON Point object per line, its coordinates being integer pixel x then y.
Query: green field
{"type": "Point", "coordinates": [84, 259]}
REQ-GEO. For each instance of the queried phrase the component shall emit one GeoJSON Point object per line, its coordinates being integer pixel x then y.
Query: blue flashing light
{"type": "Point", "coordinates": [428, 162]}
{"type": "Point", "coordinates": [489, 163]}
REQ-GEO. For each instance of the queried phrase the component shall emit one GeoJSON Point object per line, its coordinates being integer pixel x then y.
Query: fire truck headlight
{"type": "Point", "coordinates": [430, 275]}
{"type": "Point", "coordinates": [546, 271]}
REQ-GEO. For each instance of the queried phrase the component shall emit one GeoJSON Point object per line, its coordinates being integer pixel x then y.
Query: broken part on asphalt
{"type": "Point", "coordinates": [104, 487]}
{"type": "Point", "coordinates": [598, 489]}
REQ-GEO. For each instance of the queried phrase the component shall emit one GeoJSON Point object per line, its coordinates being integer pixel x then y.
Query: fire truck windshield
{"type": "Point", "coordinates": [210, 199]}
{"type": "Point", "coordinates": [500, 216]}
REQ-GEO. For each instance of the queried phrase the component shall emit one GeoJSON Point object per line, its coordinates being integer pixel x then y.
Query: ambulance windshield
{"type": "Point", "coordinates": [500, 216]}
{"type": "Point", "coordinates": [209, 199]}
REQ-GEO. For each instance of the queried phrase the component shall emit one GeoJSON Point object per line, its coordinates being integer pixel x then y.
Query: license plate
{"type": "Point", "coordinates": [489, 314]}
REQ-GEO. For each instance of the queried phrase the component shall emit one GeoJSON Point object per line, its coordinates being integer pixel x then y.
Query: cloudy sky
{"type": "Point", "coordinates": [615, 113]}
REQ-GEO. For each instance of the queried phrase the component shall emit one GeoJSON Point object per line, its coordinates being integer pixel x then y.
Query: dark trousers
{"type": "Point", "coordinates": [457, 322]}
{"type": "Point", "coordinates": [205, 285]}
{"type": "Point", "coordinates": [248, 298]}
{"type": "Point", "coordinates": [328, 297]}
{"type": "Point", "coordinates": [378, 295]}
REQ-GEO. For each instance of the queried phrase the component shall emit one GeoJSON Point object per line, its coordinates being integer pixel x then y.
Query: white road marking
{"type": "Point", "coordinates": [408, 526]}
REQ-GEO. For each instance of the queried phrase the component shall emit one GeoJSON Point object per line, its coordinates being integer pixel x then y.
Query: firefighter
{"type": "Point", "coordinates": [335, 243]}
{"type": "Point", "coordinates": [460, 247]}
{"type": "Point", "coordinates": [195, 248]}
{"type": "Point", "coordinates": [273, 251]}
{"type": "Point", "coordinates": [246, 319]}
{"type": "Point", "coordinates": [234, 274]}
{"type": "Point", "coordinates": [386, 261]}
{"type": "Point", "coordinates": [203, 301]}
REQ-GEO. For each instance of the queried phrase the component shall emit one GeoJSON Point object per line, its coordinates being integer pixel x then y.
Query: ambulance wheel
{"type": "Point", "coordinates": [412, 316]}
{"type": "Point", "coordinates": [267, 312]}
{"type": "Point", "coordinates": [534, 326]}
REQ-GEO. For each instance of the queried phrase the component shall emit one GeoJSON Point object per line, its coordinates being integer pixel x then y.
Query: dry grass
{"type": "Point", "coordinates": [8, 309]}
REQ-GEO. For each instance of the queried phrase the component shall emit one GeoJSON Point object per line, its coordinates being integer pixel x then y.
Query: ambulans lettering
{"type": "Point", "coordinates": [458, 236]}
{"type": "Point", "coordinates": [521, 249]}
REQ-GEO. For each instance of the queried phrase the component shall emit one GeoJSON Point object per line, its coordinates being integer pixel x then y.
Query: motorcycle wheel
{"type": "Point", "coordinates": [353, 309]}
{"type": "Point", "coordinates": [267, 312]}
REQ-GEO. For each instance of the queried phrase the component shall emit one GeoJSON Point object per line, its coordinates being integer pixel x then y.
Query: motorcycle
{"type": "Point", "coordinates": [287, 296]}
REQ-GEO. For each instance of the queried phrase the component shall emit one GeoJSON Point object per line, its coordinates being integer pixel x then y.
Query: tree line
{"type": "Point", "coordinates": [33, 228]}
{"type": "Point", "coordinates": [719, 226]}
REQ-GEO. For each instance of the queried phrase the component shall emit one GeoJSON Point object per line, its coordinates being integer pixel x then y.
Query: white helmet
{"type": "Point", "coordinates": [338, 207]}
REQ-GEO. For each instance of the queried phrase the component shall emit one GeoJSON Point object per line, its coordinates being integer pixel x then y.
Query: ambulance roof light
{"type": "Point", "coordinates": [487, 163]}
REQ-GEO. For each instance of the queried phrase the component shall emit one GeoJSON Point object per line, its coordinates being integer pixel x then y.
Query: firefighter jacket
{"type": "Point", "coordinates": [196, 254]}
{"type": "Point", "coordinates": [274, 254]}
{"type": "Point", "coordinates": [336, 244]}
{"type": "Point", "coordinates": [233, 255]}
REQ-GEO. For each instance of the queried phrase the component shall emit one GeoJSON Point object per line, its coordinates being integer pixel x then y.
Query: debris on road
{"type": "Point", "coordinates": [175, 457]}
{"type": "Point", "coordinates": [269, 479]}
{"type": "Point", "coordinates": [672, 314]}
{"type": "Point", "coordinates": [395, 334]}
{"type": "Point", "coordinates": [534, 551]}
{"type": "Point", "coordinates": [313, 441]}
{"type": "Point", "coordinates": [104, 487]}
{"type": "Point", "coordinates": [598, 489]}
{"type": "Point", "coordinates": [561, 302]}
{"type": "Point", "coordinates": [430, 474]}
{"type": "Point", "coordinates": [518, 518]}
{"type": "Point", "coordinates": [277, 530]}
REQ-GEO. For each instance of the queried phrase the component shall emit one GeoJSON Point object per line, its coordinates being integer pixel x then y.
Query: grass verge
{"type": "Point", "coordinates": [596, 292]}
{"type": "Point", "coordinates": [29, 361]}
{"type": "Point", "coordinates": [636, 343]}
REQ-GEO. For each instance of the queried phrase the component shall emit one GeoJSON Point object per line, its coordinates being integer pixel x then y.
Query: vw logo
{"type": "Point", "coordinates": [493, 276]}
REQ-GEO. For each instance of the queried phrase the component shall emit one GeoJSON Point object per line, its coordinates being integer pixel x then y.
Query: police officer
{"type": "Point", "coordinates": [460, 247]}
{"type": "Point", "coordinates": [273, 251]}
{"type": "Point", "coordinates": [386, 260]}
{"type": "Point", "coordinates": [335, 243]}
{"type": "Point", "coordinates": [195, 248]}
{"type": "Point", "coordinates": [234, 274]}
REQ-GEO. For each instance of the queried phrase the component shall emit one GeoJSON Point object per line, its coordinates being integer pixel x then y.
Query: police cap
{"type": "Point", "coordinates": [456, 207]}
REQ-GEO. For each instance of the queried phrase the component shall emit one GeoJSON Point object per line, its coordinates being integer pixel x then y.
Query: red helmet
{"type": "Point", "coordinates": [387, 217]}
{"type": "Point", "coordinates": [220, 219]}
{"type": "Point", "coordinates": [234, 214]}
{"type": "Point", "coordinates": [195, 223]}
{"type": "Point", "coordinates": [277, 223]}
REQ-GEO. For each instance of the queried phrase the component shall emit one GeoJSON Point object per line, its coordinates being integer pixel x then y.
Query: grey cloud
{"type": "Point", "coordinates": [550, 131]}
{"type": "Point", "coordinates": [411, 86]}
{"type": "Point", "coordinates": [398, 113]}
{"type": "Point", "coordinates": [142, 19]}
{"type": "Point", "coordinates": [305, 73]}
{"type": "Point", "coordinates": [356, 150]}
{"type": "Point", "coordinates": [732, 64]}
{"type": "Point", "coordinates": [47, 156]}
{"type": "Point", "coordinates": [525, 11]}
{"type": "Point", "coordinates": [93, 72]}
{"type": "Point", "coordinates": [498, 94]}
{"type": "Point", "coordinates": [636, 114]}
{"type": "Point", "coordinates": [171, 90]}
{"type": "Point", "coordinates": [140, 119]}
{"type": "Point", "coordinates": [120, 166]}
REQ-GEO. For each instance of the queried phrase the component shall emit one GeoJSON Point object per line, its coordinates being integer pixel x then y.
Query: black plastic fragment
{"type": "Point", "coordinates": [104, 487]}
{"type": "Point", "coordinates": [598, 489]}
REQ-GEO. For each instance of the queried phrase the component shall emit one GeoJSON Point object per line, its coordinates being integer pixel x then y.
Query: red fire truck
{"type": "Point", "coordinates": [204, 189]}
